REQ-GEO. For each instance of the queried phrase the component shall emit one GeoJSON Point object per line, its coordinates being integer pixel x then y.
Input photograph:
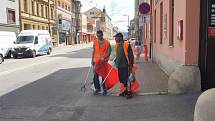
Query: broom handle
{"type": "Point", "coordinates": [108, 73]}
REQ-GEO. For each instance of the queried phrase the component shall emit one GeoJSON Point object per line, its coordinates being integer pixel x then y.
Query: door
{"type": "Point", "coordinates": [207, 44]}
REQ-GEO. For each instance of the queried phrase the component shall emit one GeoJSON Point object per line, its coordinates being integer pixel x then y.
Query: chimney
{"type": "Point", "coordinates": [104, 11]}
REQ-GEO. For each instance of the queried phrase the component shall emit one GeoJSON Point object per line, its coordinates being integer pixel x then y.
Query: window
{"type": "Point", "coordinates": [58, 3]}
{"type": "Point", "coordinates": [42, 11]}
{"type": "Point", "coordinates": [69, 9]}
{"type": "Point", "coordinates": [91, 13]}
{"type": "Point", "coordinates": [11, 19]}
{"type": "Point", "coordinates": [38, 10]}
{"type": "Point", "coordinates": [27, 26]}
{"type": "Point", "coordinates": [73, 7]}
{"type": "Point", "coordinates": [33, 8]}
{"type": "Point", "coordinates": [43, 27]}
{"type": "Point", "coordinates": [46, 12]}
{"type": "Point", "coordinates": [52, 15]}
{"type": "Point", "coordinates": [165, 25]}
{"type": "Point", "coordinates": [62, 5]}
{"type": "Point", "coordinates": [26, 5]}
{"type": "Point", "coordinates": [155, 23]}
{"type": "Point", "coordinates": [161, 23]}
{"type": "Point", "coordinates": [66, 7]}
{"type": "Point", "coordinates": [171, 40]}
{"type": "Point", "coordinates": [34, 27]}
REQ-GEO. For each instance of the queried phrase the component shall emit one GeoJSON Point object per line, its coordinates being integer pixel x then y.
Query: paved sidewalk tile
{"type": "Point", "coordinates": [151, 77]}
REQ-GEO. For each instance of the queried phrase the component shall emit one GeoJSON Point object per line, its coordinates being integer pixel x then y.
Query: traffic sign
{"type": "Point", "coordinates": [144, 8]}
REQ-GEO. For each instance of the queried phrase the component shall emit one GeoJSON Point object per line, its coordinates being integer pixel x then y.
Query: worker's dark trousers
{"type": "Point", "coordinates": [123, 76]}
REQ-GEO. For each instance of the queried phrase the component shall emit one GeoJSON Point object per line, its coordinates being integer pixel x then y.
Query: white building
{"type": "Point", "coordinates": [9, 15]}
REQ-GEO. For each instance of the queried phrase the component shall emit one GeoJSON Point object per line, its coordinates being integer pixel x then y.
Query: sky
{"type": "Point", "coordinates": [118, 10]}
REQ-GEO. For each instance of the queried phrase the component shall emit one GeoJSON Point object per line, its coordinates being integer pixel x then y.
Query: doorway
{"type": "Point", "coordinates": [207, 44]}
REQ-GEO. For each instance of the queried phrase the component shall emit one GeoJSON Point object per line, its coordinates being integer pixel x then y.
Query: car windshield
{"type": "Point", "coordinates": [24, 39]}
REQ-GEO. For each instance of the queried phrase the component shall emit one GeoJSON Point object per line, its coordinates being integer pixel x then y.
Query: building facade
{"type": "Point", "coordinates": [91, 27]}
{"type": "Point", "coordinates": [39, 14]}
{"type": "Point", "coordinates": [115, 30]}
{"type": "Point", "coordinates": [137, 29]}
{"type": "Point", "coordinates": [78, 22]}
{"type": "Point", "coordinates": [103, 21]}
{"type": "Point", "coordinates": [9, 17]}
{"type": "Point", "coordinates": [64, 16]}
{"type": "Point", "coordinates": [132, 29]}
{"type": "Point", "coordinates": [84, 28]}
{"type": "Point", "coordinates": [171, 39]}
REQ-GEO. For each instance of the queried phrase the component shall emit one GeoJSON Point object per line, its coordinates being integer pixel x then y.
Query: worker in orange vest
{"type": "Point", "coordinates": [124, 62]}
{"type": "Point", "coordinates": [101, 53]}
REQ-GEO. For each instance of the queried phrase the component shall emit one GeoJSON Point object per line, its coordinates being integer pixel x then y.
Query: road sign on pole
{"type": "Point", "coordinates": [144, 8]}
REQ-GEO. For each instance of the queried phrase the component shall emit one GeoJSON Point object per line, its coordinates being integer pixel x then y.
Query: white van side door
{"type": "Point", "coordinates": [36, 44]}
{"type": "Point", "coordinates": [41, 44]}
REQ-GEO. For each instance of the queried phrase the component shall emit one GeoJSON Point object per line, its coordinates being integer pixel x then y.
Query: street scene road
{"type": "Point", "coordinates": [162, 60]}
{"type": "Point", "coordinates": [47, 88]}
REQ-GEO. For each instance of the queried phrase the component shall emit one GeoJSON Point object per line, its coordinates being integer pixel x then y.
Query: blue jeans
{"type": "Point", "coordinates": [96, 82]}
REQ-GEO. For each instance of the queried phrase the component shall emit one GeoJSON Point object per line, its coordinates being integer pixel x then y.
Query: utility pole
{"type": "Point", "coordinates": [128, 26]}
{"type": "Point", "coordinates": [151, 32]}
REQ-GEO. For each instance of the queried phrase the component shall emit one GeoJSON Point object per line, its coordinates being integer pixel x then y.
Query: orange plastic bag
{"type": "Point", "coordinates": [134, 86]}
{"type": "Point", "coordinates": [103, 69]}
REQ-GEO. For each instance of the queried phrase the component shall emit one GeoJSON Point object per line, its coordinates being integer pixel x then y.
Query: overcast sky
{"type": "Point", "coordinates": [118, 10]}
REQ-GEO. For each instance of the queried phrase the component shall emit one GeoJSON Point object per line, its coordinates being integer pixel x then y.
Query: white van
{"type": "Point", "coordinates": [7, 40]}
{"type": "Point", "coordinates": [1, 56]}
{"type": "Point", "coordinates": [30, 43]}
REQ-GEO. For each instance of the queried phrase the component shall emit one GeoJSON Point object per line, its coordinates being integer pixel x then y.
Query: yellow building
{"type": "Point", "coordinates": [39, 15]}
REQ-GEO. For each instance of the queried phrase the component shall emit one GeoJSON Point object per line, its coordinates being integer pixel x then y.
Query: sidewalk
{"type": "Point", "coordinates": [147, 105]}
{"type": "Point", "coordinates": [152, 79]}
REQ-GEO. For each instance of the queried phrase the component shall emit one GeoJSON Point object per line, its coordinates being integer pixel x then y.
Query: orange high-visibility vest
{"type": "Point", "coordinates": [100, 51]}
{"type": "Point", "coordinates": [125, 48]}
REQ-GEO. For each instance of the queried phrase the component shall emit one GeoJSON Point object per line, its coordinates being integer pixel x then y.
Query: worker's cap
{"type": "Point", "coordinates": [118, 35]}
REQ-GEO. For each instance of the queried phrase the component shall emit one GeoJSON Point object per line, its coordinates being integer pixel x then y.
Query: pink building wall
{"type": "Point", "coordinates": [177, 51]}
{"type": "Point", "coordinates": [183, 52]}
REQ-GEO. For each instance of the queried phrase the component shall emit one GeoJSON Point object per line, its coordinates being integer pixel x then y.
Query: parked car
{"type": "Point", "coordinates": [30, 43]}
{"type": "Point", "coordinates": [7, 40]}
{"type": "Point", "coordinates": [1, 56]}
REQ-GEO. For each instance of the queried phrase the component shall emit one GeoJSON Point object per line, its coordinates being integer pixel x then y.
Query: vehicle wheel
{"type": "Point", "coordinates": [15, 56]}
{"type": "Point", "coordinates": [1, 59]}
{"type": "Point", "coordinates": [49, 51]}
{"type": "Point", "coordinates": [9, 54]}
{"type": "Point", "coordinates": [33, 54]}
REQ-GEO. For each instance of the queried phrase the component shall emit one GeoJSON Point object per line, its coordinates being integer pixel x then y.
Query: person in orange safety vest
{"type": "Point", "coordinates": [124, 62]}
{"type": "Point", "coordinates": [101, 53]}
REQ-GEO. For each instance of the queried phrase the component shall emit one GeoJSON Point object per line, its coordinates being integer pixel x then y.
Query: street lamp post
{"type": "Point", "coordinates": [128, 23]}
